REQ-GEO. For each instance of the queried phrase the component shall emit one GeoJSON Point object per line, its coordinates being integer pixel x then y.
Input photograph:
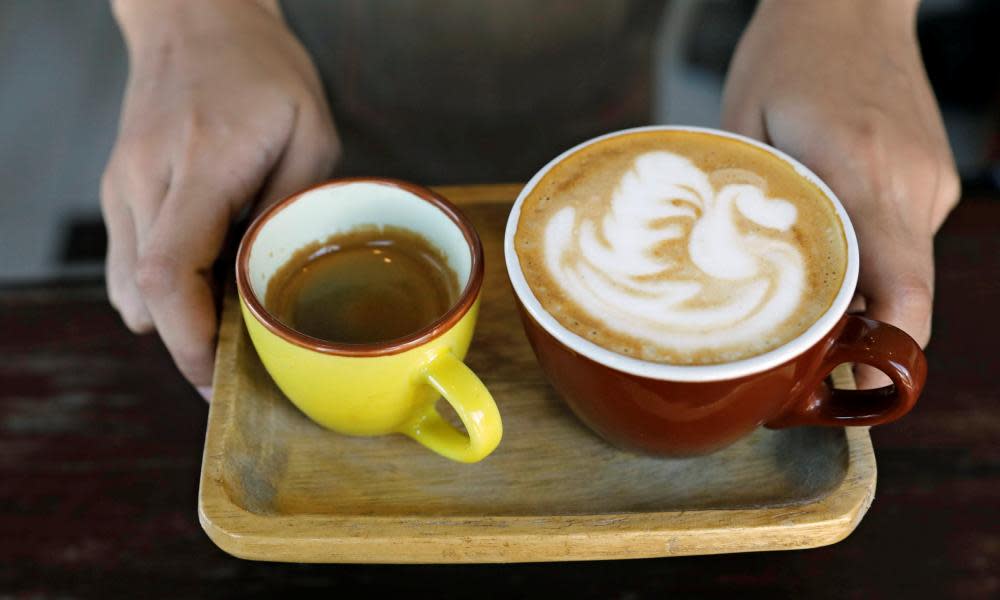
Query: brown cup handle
{"type": "Point", "coordinates": [866, 341]}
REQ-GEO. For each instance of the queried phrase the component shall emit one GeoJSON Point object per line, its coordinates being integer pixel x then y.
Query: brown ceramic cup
{"type": "Point", "coordinates": [681, 410]}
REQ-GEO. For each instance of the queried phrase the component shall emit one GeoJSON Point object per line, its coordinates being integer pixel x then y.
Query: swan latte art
{"type": "Point", "coordinates": [681, 247]}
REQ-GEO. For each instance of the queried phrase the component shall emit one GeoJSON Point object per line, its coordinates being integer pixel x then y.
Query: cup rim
{"type": "Point", "coordinates": [670, 372]}
{"type": "Point", "coordinates": [465, 301]}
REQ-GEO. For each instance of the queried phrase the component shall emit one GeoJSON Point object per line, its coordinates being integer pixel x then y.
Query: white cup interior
{"type": "Point", "coordinates": [317, 214]}
{"type": "Point", "coordinates": [667, 372]}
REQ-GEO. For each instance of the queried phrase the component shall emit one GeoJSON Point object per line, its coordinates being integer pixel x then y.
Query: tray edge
{"type": "Point", "coordinates": [512, 539]}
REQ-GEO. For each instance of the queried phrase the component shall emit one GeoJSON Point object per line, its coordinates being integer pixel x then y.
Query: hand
{"type": "Point", "coordinates": [841, 87]}
{"type": "Point", "coordinates": [223, 106]}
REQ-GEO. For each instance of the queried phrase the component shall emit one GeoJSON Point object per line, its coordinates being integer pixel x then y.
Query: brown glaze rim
{"type": "Point", "coordinates": [395, 346]}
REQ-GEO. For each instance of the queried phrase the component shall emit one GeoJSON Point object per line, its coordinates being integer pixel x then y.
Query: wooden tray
{"type": "Point", "coordinates": [274, 486]}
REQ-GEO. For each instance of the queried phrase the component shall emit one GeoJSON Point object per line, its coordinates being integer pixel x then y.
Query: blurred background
{"type": "Point", "coordinates": [63, 70]}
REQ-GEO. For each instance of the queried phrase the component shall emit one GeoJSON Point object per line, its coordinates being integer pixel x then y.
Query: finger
{"type": "Point", "coordinates": [206, 392]}
{"type": "Point", "coordinates": [141, 179]}
{"type": "Point", "coordinates": [898, 285]}
{"type": "Point", "coordinates": [310, 156]}
{"type": "Point", "coordinates": [141, 175]}
{"type": "Point", "coordinates": [120, 262]}
{"type": "Point", "coordinates": [744, 117]}
{"type": "Point", "coordinates": [898, 289]}
{"type": "Point", "coordinates": [174, 271]}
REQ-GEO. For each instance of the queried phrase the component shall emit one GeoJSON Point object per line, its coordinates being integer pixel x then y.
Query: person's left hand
{"type": "Point", "coordinates": [841, 87]}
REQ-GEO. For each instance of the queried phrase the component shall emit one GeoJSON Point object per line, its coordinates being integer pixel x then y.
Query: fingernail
{"type": "Point", "coordinates": [206, 392]}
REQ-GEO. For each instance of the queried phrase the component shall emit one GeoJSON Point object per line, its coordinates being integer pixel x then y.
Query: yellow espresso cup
{"type": "Point", "coordinates": [384, 387]}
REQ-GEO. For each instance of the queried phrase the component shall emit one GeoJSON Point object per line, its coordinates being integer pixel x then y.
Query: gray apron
{"type": "Point", "coordinates": [449, 91]}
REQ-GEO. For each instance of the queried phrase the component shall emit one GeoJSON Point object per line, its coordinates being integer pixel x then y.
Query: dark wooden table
{"type": "Point", "coordinates": [100, 450]}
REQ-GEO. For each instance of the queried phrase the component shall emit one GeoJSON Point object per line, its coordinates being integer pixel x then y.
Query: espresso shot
{"type": "Point", "coordinates": [369, 285]}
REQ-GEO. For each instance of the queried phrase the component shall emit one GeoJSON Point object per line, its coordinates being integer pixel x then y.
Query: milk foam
{"type": "Point", "coordinates": [746, 281]}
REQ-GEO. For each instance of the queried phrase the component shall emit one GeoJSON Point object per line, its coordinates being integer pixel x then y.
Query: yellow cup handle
{"type": "Point", "coordinates": [475, 407]}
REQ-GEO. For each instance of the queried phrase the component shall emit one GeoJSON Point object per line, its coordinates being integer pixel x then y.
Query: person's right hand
{"type": "Point", "coordinates": [223, 107]}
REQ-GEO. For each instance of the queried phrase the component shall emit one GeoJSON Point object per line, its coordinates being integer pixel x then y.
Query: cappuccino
{"type": "Point", "coordinates": [681, 247]}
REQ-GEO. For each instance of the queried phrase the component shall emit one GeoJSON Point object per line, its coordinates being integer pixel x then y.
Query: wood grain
{"type": "Point", "coordinates": [277, 487]}
{"type": "Point", "coordinates": [101, 444]}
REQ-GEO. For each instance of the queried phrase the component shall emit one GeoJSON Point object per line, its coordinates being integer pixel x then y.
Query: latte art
{"type": "Point", "coordinates": [680, 263]}
{"type": "Point", "coordinates": [609, 266]}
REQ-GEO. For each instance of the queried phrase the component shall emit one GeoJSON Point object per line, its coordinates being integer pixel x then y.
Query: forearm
{"type": "Point", "coordinates": [142, 20]}
{"type": "Point", "coordinates": [883, 13]}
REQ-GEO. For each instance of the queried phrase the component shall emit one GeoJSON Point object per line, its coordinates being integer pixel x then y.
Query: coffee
{"type": "Point", "coordinates": [364, 286]}
{"type": "Point", "coordinates": [681, 247]}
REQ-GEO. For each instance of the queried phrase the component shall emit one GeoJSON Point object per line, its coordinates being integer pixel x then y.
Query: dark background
{"type": "Point", "coordinates": [101, 440]}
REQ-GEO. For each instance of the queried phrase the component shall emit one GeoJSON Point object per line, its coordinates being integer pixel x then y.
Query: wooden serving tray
{"type": "Point", "coordinates": [275, 486]}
